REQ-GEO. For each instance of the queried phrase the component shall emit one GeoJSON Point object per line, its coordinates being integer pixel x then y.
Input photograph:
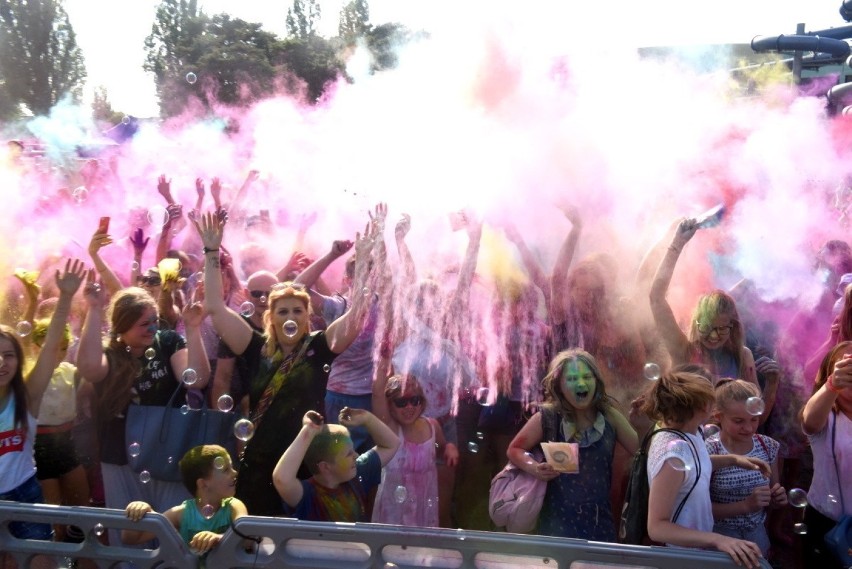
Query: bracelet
{"type": "Point", "coordinates": [206, 250]}
{"type": "Point", "coordinates": [830, 385]}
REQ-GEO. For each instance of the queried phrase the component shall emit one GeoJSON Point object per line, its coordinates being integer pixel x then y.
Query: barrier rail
{"type": "Point", "coordinates": [318, 545]}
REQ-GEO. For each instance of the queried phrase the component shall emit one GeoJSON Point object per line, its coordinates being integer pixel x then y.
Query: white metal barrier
{"type": "Point", "coordinates": [298, 544]}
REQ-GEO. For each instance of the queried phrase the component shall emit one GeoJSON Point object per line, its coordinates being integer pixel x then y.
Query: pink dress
{"type": "Point", "coordinates": [408, 494]}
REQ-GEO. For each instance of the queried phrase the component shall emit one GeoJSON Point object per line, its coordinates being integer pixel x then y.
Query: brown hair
{"type": "Point", "coordinates": [710, 306]}
{"type": "Point", "coordinates": [281, 291]}
{"type": "Point", "coordinates": [127, 307]}
{"type": "Point", "coordinates": [738, 390]}
{"type": "Point", "coordinates": [199, 462]}
{"type": "Point", "coordinates": [553, 392]}
{"type": "Point", "coordinates": [399, 384]}
{"type": "Point", "coordinates": [676, 396]}
{"type": "Point", "coordinates": [17, 385]}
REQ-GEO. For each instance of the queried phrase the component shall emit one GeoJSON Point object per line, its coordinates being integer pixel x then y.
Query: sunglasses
{"type": "Point", "coordinates": [403, 402]}
{"type": "Point", "coordinates": [259, 293]}
{"type": "Point", "coordinates": [150, 281]}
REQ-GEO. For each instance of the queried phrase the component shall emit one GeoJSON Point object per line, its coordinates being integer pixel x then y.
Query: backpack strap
{"type": "Point", "coordinates": [763, 444]}
{"type": "Point", "coordinates": [647, 443]}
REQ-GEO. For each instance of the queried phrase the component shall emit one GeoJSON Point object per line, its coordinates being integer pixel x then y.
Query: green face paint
{"type": "Point", "coordinates": [578, 384]}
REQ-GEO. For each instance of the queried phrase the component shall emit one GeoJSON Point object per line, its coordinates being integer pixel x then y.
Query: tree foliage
{"type": "Point", "coordinates": [354, 21]}
{"type": "Point", "coordinates": [102, 109]}
{"type": "Point", "coordinates": [39, 55]}
{"type": "Point", "coordinates": [302, 18]}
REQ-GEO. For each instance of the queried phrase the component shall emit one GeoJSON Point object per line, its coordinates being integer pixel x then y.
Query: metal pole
{"type": "Point", "coordinates": [797, 57]}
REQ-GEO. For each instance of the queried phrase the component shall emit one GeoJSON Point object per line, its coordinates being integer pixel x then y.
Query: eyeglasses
{"type": "Point", "coordinates": [150, 281]}
{"type": "Point", "coordinates": [721, 331]}
{"type": "Point", "coordinates": [259, 293]}
{"type": "Point", "coordinates": [403, 402]}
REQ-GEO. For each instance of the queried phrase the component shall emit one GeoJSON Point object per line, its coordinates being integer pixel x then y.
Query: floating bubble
{"type": "Point", "coordinates": [326, 368]}
{"type": "Point", "coordinates": [680, 449]}
{"type": "Point", "coordinates": [366, 291]}
{"type": "Point", "coordinates": [134, 449]}
{"type": "Point", "coordinates": [157, 216]}
{"type": "Point", "coordinates": [125, 119]}
{"type": "Point", "coordinates": [797, 497]}
{"type": "Point", "coordinates": [80, 194]}
{"type": "Point", "coordinates": [247, 309]}
{"type": "Point", "coordinates": [208, 511]}
{"type": "Point", "coordinates": [190, 376]}
{"type": "Point", "coordinates": [144, 477]}
{"type": "Point", "coordinates": [219, 463]}
{"type": "Point", "coordinates": [150, 353]}
{"type": "Point", "coordinates": [134, 266]}
{"type": "Point", "coordinates": [290, 328]}
{"type": "Point", "coordinates": [430, 503]}
{"type": "Point", "coordinates": [652, 371]}
{"type": "Point", "coordinates": [98, 529]}
{"type": "Point", "coordinates": [482, 395]}
{"type": "Point", "coordinates": [191, 78]}
{"type": "Point", "coordinates": [400, 493]}
{"type": "Point", "coordinates": [225, 403]}
{"type": "Point", "coordinates": [184, 409]}
{"type": "Point", "coordinates": [23, 328]}
{"type": "Point", "coordinates": [473, 447]}
{"type": "Point", "coordinates": [264, 300]}
{"type": "Point", "coordinates": [800, 528]}
{"type": "Point", "coordinates": [460, 534]}
{"type": "Point", "coordinates": [244, 429]}
{"type": "Point", "coordinates": [711, 430]}
{"type": "Point", "coordinates": [480, 435]}
{"type": "Point", "coordinates": [170, 460]}
{"type": "Point", "coordinates": [754, 406]}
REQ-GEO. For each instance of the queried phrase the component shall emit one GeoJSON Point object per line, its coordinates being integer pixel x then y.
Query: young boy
{"type": "Point", "coordinates": [209, 476]}
{"type": "Point", "coordinates": [342, 480]}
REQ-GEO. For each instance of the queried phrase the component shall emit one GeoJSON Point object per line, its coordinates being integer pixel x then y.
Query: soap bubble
{"type": "Point", "coordinates": [150, 353]}
{"type": "Point", "coordinates": [800, 528]}
{"type": "Point", "coordinates": [711, 430]}
{"type": "Point", "coordinates": [98, 529]}
{"type": "Point", "coordinates": [134, 266]}
{"type": "Point", "coordinates": [190, 376]}
{"type": "Point", "coordinates": [23, 328]}
{"type": "Point", "coordinates": [134, 449]}
{"type": "Point", "coordinates": [652, 371]}
{"type": "Point", "coordinates": [679, 448]}
{"type": "Point", "coordinates": [207, 511]}
{"type": "Point", "coordinates": [170, 460]}
{"type": "Point", "coordinates": [225, 403]}
{"type": "Point", "coordinates": [80, 194]}
{"type": "Point", "coordinates": [247, 309]}
{"type": "Point", "coordinates": [144, 477]}
{"type": "Point", "coordinates": [290, 328]}
{"type": "Point", "coordinates": [184, 409]}
{"type": "Point", "coordinates": [244, 429]}
{"type": "Point", "coordinates": [473, 447]}
{"type": "Point", "coordinates": [480, 435]}
{"type": "Point", "coordinates": [460, 534]}
{"type": "Point", "coordinates": [797, 497]}
{"type": "Point", "coordinates": [755, 406]}
{"type": "Point", "coordinates": [191, 78]}
{"type": "Point", "coordinates": [326, 368]}
{"type": "Point", "coordinates": [400, 493]}
{"type": "Point", "coordinates": [366, 291]}
{"type": "Point", "coordinates": [482, 395]}
{"type": "Point", "coordinates": [219, 463]}
{"type": "Point", "coordinates": [157, 216]}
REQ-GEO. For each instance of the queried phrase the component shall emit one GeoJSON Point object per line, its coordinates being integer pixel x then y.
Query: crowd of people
{"type": "Point", "coordinates": [397, 394]}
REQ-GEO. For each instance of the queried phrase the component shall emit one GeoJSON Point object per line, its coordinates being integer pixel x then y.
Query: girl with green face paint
{"type": "Point", "coordinates": [577, 410]}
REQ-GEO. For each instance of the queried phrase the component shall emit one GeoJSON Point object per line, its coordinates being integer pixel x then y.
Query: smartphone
{"type": "Point", "coordinates": [103, 225]}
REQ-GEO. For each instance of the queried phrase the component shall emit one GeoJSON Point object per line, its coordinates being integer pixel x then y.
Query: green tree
{"type": "Point", "coordinates": [303, 18]}
{"type": "Point", "coordinates": [38, 49]}
{"type": "Point", "coordinates": [354, 20]}
{"type": "Point", "coordinates": [313, 63]}
{"type": "Point", "coordinates": [102, 109]}
{"type": "Point", "coordinates": [384, 40]}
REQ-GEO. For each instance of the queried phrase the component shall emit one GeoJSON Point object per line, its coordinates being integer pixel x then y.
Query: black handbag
{"type": "Point", "coordinates": [165, 434]}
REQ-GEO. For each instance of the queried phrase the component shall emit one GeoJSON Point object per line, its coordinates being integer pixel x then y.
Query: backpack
{"type": "Point", "coordinates": [634, 514]}
{"type": "Point", "coordinates": [516, 497]}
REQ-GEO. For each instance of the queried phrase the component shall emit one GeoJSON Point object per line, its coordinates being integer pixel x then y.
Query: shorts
{"type": "Point", "coordinates": [55, 455]}
{"type": "Point", "coordinates": [28, 492]}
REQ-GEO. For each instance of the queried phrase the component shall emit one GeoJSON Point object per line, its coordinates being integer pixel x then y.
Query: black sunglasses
{"type": "Point", "coordinates": [403, 402]}
{"type": "Point", "coordinates": [150, 281]}
{"type": "Point", "coordinates": [259, 293]}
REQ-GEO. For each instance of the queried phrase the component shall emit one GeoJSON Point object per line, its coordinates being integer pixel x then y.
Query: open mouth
{"type": "Point", "coordinates": [581, 394]}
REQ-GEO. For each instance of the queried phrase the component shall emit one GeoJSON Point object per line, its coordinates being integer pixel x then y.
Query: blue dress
{"type": "Point", "coordinates": [578, 505]}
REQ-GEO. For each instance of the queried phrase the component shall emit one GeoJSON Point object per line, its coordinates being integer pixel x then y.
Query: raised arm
{"type": "Point", "coordinates": [343, 331]}
{"type": "Point", "coordinates": [68, 282]}
{"type": "Point", "coordinates": [195, 355]}
{"type": "Point", "coordinates": [313, 271]}
{"type": "Point", "coordinates": [284, 477]}
{"type": "Point", "coordinates": [33, 290]}
{"type": "Point", "coordinates": [819, 406]}
{"type": "Point", "coordinates": [139, 242]}
{"type": "Point", "coordinates": [380, 383]}
{"type": "Point", "coordinates": [105, 272]}
{"type": "Point", "coordinates": [409, 270]}
{"type": "Point", "coordinates": [91, 359]}
{"type": "Point", "coordinates": [675, 340]}
{"type": "Point", "coordinates": [559, 278]}
{"type": "Point", "coordinates": [534, 269]}
{"type": "Point", "coordinates": [232, 329]}
{"type": "Point", "coordinates": [461, 295]}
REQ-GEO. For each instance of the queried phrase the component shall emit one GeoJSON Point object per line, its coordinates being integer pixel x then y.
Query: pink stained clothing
{"type": "Point", "coordinates": [408, 494]}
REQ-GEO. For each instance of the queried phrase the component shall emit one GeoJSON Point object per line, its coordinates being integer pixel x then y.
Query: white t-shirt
{"type": "Point", "coordinates": [17, 463]}
{"type": "Point", "coordinates": [59, 402]}
{"type": "Point", "coordinates": [697, 512]}
{"type": "Point", "coordinates": [825, 484]}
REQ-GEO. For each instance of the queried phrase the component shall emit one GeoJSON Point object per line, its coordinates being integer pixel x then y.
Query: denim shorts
{"type": "Point", "coordinates": [30, 493]}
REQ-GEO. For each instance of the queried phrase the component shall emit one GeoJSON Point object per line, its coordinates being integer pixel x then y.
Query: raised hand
{"type": "Point", "coordinates": [139, 241]}
{"type": "Point", "coordinates": [193, 315]}
{"type": "Point", "coordinates": [378, 216]}
{"type": "Point", "coordinates": [685, 230]}
{"type": "Point", "coordinates": [341, 247]}
{"type": "Point", "coordinates": [313, 420]}
{"type": "Point", "coordinates": [199, 188]}
{"type": "Point", "coordinates": [70, 279]}
{"type": "Point", "coordinates": [99, 241]}
{"type": "Point", "coordinates": [164, 186]}
{"type": "Point", "coordinates": [93, 292]}
{"type": "Point", "coordinates": [403, 226]}
{"type": "Point", "coordinates": [210, 229]}
{"type": "Point", "coordinates": [216, 190]}
{"type": "Point", "coordinates": [572, 214]}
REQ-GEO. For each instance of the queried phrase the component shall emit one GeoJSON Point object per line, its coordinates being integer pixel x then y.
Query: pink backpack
{"type": "Point", "coordinates": [516, 498]}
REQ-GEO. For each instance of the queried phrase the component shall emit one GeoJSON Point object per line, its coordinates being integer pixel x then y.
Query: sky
{"type": "Point", "coordinates": [111, 33]}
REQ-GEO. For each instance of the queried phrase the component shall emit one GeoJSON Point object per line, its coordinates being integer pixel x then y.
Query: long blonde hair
{"type": "Point", "coordinates": [280, 292]}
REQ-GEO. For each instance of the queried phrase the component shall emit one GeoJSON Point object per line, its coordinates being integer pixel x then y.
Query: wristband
{"type": "Point", "coordinates": [206, 250]}
{"type": "Point", "coordinates": [830, 385]}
